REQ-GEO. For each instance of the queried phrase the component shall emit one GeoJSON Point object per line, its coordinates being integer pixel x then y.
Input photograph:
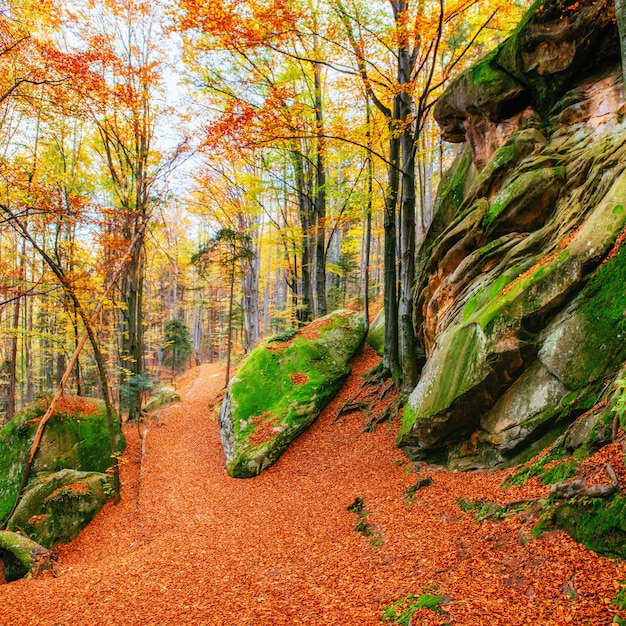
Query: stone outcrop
{"type": "Point", "coordinates": [70, 486]}
{"type": "Point", "coordinates": [58, 506]}
{"type": "Point", "coordinates": [281, 388]}
{"type": "Point", "coordinates": [520, 296]}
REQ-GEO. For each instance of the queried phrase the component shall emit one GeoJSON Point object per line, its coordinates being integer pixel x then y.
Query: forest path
{"type": "Point", "coordinates": [190, 545]}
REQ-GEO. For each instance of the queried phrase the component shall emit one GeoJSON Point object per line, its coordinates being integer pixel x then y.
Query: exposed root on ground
{"type": "Point", "coordinates": [378, 400]}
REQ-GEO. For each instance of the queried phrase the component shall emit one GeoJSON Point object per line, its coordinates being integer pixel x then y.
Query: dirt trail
{"type": "Point", "coordinates": [190, 545]}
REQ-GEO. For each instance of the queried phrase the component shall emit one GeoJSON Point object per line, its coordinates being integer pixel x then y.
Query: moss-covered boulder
{"type": "Point", "coordinates": [163, 397]}
{"type": "Point", "coordinates": [76, 437]}
{"type": "Point", "coordinates": [520, 301]}
{"type": "Point", "coordinates": [22, 556]}
{"type": "Point", "coordinates": [376, 333]}
{"type": "Point", "coordinates": [281, 388]}
{"type": "Point", "coordinates": [58, 506]}
{"type": "Point", "coordinates": [595, 522]}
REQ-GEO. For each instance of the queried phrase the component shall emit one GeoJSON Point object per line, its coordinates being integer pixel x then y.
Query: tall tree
{"type": "Point", "coordinates": [126, 106]}
{"type": "Point", "coordinates": [404, 94]}
{"type": "Point", "coordinates": [620, 16]}
{"type": "Point", "coordinates": [227, 248]}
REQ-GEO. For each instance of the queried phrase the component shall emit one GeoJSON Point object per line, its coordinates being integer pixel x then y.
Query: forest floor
{"type": "Point", "coordinates": [190, 545]}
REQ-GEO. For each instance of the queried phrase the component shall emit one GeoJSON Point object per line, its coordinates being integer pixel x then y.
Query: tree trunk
{"type": "Point", "coordinates": [230, 318]}
{"type": "Point", "coordinates": [620, 16]}
{"type": "Point", "coordinates": [306, 218]}
{"type": "Point", "coordinates": [409, 358]}
{"type": "Point", "coordinates": [391, 357]}
{"type": "Point", "coordinates": [320, 196]}
{"type": "Point", "coordinates": [407, 231]}
{"type": "Point", "coordinates": [368, 216]}
{"type": "Point", "coordinates": [77, 374]}
{"type": "Point", "coordinates": [132, 335]}
{"type": "Point", "coordinates": [12, 393]}
{"type": "Point", "coordinates": [28, 353]}
{"type": "Point", "coordinates": [250, 304]}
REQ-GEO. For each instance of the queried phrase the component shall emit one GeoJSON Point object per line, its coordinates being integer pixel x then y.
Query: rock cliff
{"type": "Point", "coordinates": [521, 290]}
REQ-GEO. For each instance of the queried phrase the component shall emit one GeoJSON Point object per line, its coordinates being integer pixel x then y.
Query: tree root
{"type": "Point", "coordinates": [569, 489]}
{"type": "Point", "coordinates": [376, 394]}
{"type": "Point", "coordinates": [484, 510]}
{"type": "Point", "coordinates": [389, 413]}
{"type": "Point", "coordinates": [351, 406]}
{"type": "Point", "coordinates": [377, 374]}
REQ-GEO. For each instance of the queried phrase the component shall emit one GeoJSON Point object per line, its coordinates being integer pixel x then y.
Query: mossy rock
{"type": "Point", "coordinates": [434, 409]}
{"type": "Point", "coordinates": [163, 397]}
{"type": "Point", "coordinates": [555, 42]}
{"type": "Point", "coordinates": [598, 524]}
{"type": "Point", "coordinates": [487, 343]}
{"type": "Point", "coordinates": [22, 556]}
{"type": "Point", "coordinates": [376, 333]}
{"type": "Point", "coordinates": [58, 506]}
{"type": "Point", "coordinates": [76, 437]}
{"type": "Point", "coordinates": [281, 388]}
{"type": "Point", "coordinates": [519, 291]}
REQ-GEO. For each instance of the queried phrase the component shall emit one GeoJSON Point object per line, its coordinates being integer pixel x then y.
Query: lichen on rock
{"type": "Point", "coordinates": [281, 388]}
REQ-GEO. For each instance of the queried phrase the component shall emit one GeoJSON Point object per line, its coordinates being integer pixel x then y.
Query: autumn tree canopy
{"type": "Point", "coordinates": [302, 128]}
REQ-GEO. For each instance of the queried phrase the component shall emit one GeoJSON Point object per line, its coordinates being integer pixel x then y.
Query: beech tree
{"type": "Point", "coordinates": [126, 107]}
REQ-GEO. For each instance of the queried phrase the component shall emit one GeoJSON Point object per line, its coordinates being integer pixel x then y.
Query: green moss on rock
{"type": "Point", "coordinates": [76, 437]}
{"type": "Point", "coordinates": [22, 556]}
{"type": "Point", "coordinates": [598, 524]}
{"type": "Point", "coordinates": [58, 506]}
{"type": "Point", "coordinates": [457, 367]}
{"type": "Point", "coordinates": [559, 473]}
{"type": "Point", "coordinates": [281, 388]}
{"type": "Point", "coordinates": [163, 397]}
{"type": "Point", "coordinates": [536, 468]}
{"type": "Point", "coordinates": [376, 333]}
{"type": "Point", "coordinates": [603, 343]}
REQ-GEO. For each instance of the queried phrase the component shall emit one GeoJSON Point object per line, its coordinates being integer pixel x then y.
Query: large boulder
{"type": "Point", "coordinates": [281, 388]}
{"type": "Point", "coordinates": [76, 437]}
{"type": "Point", "coordinates": [22, 556]}
{"type": "Point", "coordinates": [520, 296]}
{"type": "Point", "coordinates": [163, 397]}
{"type": "Point", "coordinates": [58, 506]}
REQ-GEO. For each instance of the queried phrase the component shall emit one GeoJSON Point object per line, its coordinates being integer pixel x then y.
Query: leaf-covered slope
{"type": "Point", "coordinates": [284, 549]}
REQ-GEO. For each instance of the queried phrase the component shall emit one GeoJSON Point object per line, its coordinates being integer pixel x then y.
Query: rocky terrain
{"type": "Point", "coordinates": [520, 296]}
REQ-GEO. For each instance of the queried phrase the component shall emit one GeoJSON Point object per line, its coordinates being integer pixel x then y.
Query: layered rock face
{"type": "Point", "coordinates": [521, 289]}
